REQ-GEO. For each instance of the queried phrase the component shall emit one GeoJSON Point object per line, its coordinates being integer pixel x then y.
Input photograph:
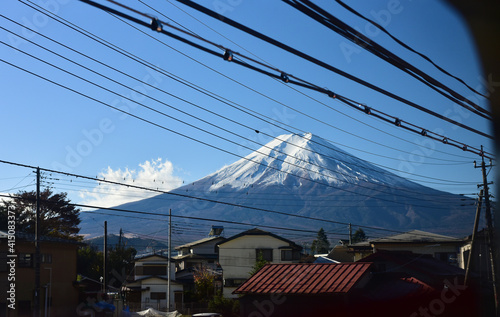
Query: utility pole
{"type": "Point", "coordinates": [350, 234]}
{"type": "Point", "coordinates": [489, 228]}
{"type": "Point", "coordinates": [473, 239]}
{"type": "Point", "coordinates": [36, 304]}
{"type": "Point", "coordinates": [169, 248]}
{"type": "Point", "coordinates": [105, 264]}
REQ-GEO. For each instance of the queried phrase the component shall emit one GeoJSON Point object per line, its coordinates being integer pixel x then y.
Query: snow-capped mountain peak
{"type": "Point", "coordinates": [293, 159]}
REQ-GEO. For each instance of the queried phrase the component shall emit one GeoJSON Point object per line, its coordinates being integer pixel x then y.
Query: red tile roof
{"type": "Point", "coordinates": [304, 278]}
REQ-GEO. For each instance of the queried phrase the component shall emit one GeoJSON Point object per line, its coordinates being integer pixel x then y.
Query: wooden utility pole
{"type": "Point", "coordinates": [350, 234]}
{"type": "Point", "coordinates": [473, 239]}
{"type": "Point", "coordinates": [105, 264]}
{"type": "Point", "coordinates": [169, 248]}
{"type": "Point", "coordinates": [36, 303]}
{"type": "Point", "coordinates": [489, 228]}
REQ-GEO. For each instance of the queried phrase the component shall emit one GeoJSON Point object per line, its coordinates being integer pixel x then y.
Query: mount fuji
{"type": "Point", "coordinates": [290, 181]}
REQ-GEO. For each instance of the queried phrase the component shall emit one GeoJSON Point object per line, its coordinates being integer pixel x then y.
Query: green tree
{"type": "Point", "coordinates": [58, 218]}
{"type": "Point", "coordinates": [204, 283]}
{"type": "Point", "coordinates": [259, 263]}
{"type": "Point", "coordinates": [320, 244]}
{"type": "Point", "coordinates": [3, 217]}
{"type": "Point", "coordinates": [89, 262]}
{"type": "Point", "coordinates": [359, 236]}
{"type": "Point", "coordinates": [225, 306]}
{"type": "Point", "coordinates": [120, 264]}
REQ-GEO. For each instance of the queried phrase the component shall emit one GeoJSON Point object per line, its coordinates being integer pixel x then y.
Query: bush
{"type": "Point", "coordinates": [225, 306]}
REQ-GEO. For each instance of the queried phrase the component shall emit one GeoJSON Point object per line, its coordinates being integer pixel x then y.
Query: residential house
{"type": "Point", "coordinates": [441, 247]}
{"type": "Point", "coordinates": [424, 267]}
{"type": "Point", "coordinates": [148, 289]}
{"type": "Point", "coordinates": [58, 272]}
{"type": "Point", "coordinates": [302, 289]}
{"type": "Point", "coordinates": [341, 253]}
{"type": "Point", "coordinates": [238, 255]}
{"type": "Point", "coordinates": [350, 289]}
{"type": "Point", "coordinates": [195, 255]}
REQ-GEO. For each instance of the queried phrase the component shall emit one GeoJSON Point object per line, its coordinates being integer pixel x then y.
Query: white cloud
{"type": "Point", "coordinates": [156, 174]}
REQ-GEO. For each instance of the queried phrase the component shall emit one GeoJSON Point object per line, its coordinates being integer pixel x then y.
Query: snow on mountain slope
{"type": "Point", "coordinates": [307, 176]}
{"type": "Point", "coordinates": [307, 156]}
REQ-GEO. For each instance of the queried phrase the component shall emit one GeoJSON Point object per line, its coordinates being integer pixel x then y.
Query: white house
{"type": "Point", "coordinates": [150, 284]}
{"type": "Point", "coordinates": [238, 255]}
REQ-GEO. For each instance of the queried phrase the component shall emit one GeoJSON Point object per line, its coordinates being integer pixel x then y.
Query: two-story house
{"type": "Point", "coordinates": [58, 273]}
{"type": "Point", "coordinates": [441, 247]}
{"type": "Point", "coordinates": [238, 255]}
{"type": "Point", "coordinates": [195, 255]}
{"type": "Point", "coordinates": [150, 283]}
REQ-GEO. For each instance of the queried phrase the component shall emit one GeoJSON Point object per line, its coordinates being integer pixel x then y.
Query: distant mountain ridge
{"type": "Point", "coordinates": [307, 176]}
{"type": "Point", "coordinates": [140, 244]}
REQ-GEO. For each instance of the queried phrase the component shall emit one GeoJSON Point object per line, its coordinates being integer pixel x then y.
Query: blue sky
{"type": "Point", "coordinates": [45, 125]}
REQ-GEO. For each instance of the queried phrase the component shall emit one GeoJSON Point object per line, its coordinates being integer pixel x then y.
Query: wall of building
{"type": "Point", "coordinates": [56, 280]}
{"type": "Point", "coordinates": [237, 257]}
{"type": "Point", "coordinates": [431, 249]}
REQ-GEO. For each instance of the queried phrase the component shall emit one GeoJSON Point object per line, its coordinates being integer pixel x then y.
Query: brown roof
{"type": "Point", "coordinates": [304, 278]}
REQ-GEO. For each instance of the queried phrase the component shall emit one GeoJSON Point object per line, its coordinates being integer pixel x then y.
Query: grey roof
{"type": "Point", "coordinates": [259, 232]}
{"type": "Point", "coordinates": [197, 242]}
{"type": "Point", "coordinates": [416, 236]}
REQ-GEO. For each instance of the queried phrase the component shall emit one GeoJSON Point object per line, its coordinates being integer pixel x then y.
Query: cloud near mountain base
{"type": "Point", "coordinates": [155, 174]}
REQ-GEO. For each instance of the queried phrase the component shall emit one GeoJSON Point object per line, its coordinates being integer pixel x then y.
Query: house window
{"type": "Point", "coordinates": [448, 257]}
{"type": "Point", "coordinates": [233, 282]}
{"type": "Point", "coordinates": [267, 254]}
{"type": "Point", "coordinates": [158, 295]}
{"type": "Point", "coordinates": [25, 260]}
{"type": "Point", "coordinates": [290, 255]}
{"type": "Point", "coordinates": [151, 270]}
{"type": "Point", "coordinates": [46, 258]}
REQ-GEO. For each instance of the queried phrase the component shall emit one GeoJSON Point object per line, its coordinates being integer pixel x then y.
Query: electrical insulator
{"type": "Point", "coordinates": [156, 25]}
{"type": "Point", "coordinates": [228, 55]}
{"type": "Point", "coordinates": [284, 77]}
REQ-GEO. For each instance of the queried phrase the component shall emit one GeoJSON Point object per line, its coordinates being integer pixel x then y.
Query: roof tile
{"type": "Point", "coordinates": [305, 278]}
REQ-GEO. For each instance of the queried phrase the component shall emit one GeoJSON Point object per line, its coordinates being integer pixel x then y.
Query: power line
{"type": "Point", "coordinates": [265, 38]}
{"type": "Point", "coordinates": [186, 196]}
{"type": "Point", "coordinates": [181, 134]}
{"type": "Point", "coordinates": [347, 101]}
{"type": "Point", "coordinates": [283, 76]}
{"type": "Point", "coordinates": [320, 15]}
{"type": "Point", "coordinates": [380, 27]}
{"type": "Point", "coordinates": [146, 213]}
{"type": "Point", "coordinates": [358, 106]}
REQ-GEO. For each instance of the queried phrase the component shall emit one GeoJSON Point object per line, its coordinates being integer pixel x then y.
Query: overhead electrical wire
{"type": "Point", "coordinates": [320, 15]}
{"type": "Point", "coordinates": [362, 122]}
{"type": "Point", "coordinates": [464, 147]}
{"type": "Point", "coordinates": [28, 40]}
{"type": "Point", "coordinates": [194, 139]}
{"type": "Point", "coordinates": [147, 213]}
{"type": "Point", "coordinates": [250, 195]}
{"type": "Point", "coordinates": [363, 108]}
{"type": "Point", "coordinates": [349, 102]}
{"type": "Point", "coordinates": [305, 84]}
{"type": "Point", "coordinates": [296, 52]}
{"type": "Point", "coordinates": [380, 27]}
{"type": "Point", "coordinates": [101, 75]}
{"type": "Point", "coordinates": [191, 125]}
{"type": "Point", "coordinates": [183, 195]}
